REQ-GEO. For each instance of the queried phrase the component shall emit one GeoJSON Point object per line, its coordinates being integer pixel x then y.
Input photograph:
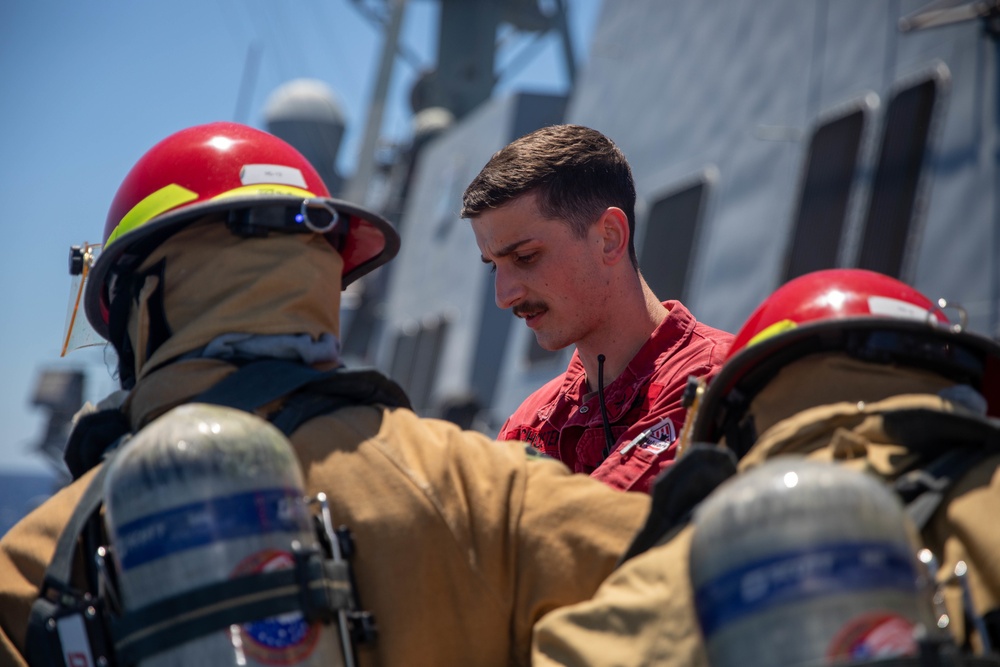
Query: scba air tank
{"type": "Point", "coordinates": [200, 496]}
{"type": "Point", "coordinates": [800, 562]}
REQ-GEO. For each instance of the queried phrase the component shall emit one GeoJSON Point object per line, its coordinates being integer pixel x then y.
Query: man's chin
{"type": "Point", "coordinates": [549, 344]}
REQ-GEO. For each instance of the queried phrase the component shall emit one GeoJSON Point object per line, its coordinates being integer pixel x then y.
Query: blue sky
{"type": "Point", "coordinates": [87, 87]}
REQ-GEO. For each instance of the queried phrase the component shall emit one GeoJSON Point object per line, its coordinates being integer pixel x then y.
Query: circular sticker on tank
{"type": "Point", "coordinates": [286, 639]}
{"type": "Point", "coordinates": [872, 636]}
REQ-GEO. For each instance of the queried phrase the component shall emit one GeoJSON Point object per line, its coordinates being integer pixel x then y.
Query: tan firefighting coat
{"type": "Point", "coordinates": [644, 613]}
{"type": "Point", "coordinates": [462, 543]}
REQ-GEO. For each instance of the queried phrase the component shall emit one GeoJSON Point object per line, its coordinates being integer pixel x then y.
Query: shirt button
{"type": "Point", "coordinates": [584, 409]}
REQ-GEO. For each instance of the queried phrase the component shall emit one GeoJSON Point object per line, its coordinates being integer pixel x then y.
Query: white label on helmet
{"type": "Point", "coordinates": [276, 174]}
{"type": "Point", "coordinates": [880, 305]}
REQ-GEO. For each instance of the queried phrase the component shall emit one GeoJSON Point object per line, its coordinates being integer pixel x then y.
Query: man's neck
{"type": "Point", "coordinates": [622, 338]}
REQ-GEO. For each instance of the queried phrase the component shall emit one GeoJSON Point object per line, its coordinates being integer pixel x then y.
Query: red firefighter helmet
{"type": "Point", "coordinates": [232, 168]}
{"type": "Point", "coordinates": [864, 314]}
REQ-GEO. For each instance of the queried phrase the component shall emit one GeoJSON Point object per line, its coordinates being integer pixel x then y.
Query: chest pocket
{"type": "Point", "coordinates": [590, 447]}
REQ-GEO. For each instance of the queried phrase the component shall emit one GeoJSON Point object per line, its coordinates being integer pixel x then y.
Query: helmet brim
{"type": "Point", "coordinates": [371, 241]}
{"type": "Point", "coordinates": [952, 352]}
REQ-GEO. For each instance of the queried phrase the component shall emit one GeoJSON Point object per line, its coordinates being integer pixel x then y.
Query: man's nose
{"type": "Point", "coordinates": [509, 290]}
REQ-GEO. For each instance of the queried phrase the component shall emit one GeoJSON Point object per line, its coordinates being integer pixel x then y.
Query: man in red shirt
{"type": "Point", "coordinates": [554, 215]}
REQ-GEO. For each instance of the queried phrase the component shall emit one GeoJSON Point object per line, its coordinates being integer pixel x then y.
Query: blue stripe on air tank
{"type": "Point", "coordinates": [801, 575]}
{"type": "Point", "coordinates": [216, 519]}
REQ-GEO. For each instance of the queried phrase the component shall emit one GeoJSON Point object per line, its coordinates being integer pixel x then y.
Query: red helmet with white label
{"type": "Point", "coordinates": [864, 314]}
{"type": "Point", "coordinates": [261, 184]}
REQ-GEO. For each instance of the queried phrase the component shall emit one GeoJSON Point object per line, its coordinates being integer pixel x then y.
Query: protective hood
{"type": "Point", "coordinates": [205, 282]}
{"type": "Point", "coordinates": [824, 379]}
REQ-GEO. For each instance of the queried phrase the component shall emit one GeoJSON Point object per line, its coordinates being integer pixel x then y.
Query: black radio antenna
{"type": "Point", "coordinates": [608, 438]}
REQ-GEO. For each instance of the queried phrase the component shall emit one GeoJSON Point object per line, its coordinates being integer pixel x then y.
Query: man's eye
{"type": "Point", "coordinates": [525, 259]}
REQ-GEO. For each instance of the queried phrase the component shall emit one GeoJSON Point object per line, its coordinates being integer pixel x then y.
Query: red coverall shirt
{"type": "Point", "coordinates": [563, 418]}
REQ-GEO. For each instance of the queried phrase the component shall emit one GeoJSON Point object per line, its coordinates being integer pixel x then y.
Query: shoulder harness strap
{"type": "Point", "coordinates": [321, 588]}
{"type": "Point", "coordinates": [679, 490]}
{"type": "Point", "coordinates": [951, 444]}
{"type": "Point", "coordinates": [310, 392]}
{"type": "Point", "coordinates": [59, 602]}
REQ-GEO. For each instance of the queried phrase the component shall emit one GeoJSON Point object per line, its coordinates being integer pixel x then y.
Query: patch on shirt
{"type": "Point", "coordinates": [659, 437]}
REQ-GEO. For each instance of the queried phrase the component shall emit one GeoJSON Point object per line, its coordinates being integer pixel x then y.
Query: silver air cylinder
{"type": "Point", "coordinates": [799, 562]}
{"type": "Point", "coordinates": [202, 495]}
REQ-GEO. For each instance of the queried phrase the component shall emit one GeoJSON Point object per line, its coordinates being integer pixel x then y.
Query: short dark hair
{"type": "Point", "coordinates": [576, 171]}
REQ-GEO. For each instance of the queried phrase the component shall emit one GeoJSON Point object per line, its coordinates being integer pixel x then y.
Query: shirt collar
{"type": "Point", "coordinates": [671, 333]}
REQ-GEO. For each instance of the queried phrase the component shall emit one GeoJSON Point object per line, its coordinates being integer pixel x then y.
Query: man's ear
{"type": "Point", "coordinates": [613, 226]}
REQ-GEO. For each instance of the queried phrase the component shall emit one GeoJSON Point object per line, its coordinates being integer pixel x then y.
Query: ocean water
{"type": "Point", "coordinates": [20, 492]}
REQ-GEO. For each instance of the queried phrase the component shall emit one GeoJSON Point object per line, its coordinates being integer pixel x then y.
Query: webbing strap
{"type": "Point", "coordinates": [678, 490]}
{"type": "Point", "coordinates": [991, 620]}
{"type": "Point", "coordinates": [57, 597]}
{"type": "Point", "coordinates": [57, 575]}
{"type": "Point", "coordinates": [258, 383]}
{"type": "Point", "coordinates": [924, 489]}
{"type": "Point", "coordinates": [950, 445]}
{"type": "Point", "coordinates": [310, 392]}
{"type": "Point", "coordinates": [317, 588]}
{"type": "Point", "coordinates": [942, 658]}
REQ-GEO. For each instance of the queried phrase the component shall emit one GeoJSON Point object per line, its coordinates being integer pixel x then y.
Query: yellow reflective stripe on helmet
{"type": "Point", "coordinates": [159, 202]}
{"type": "Point", "coordinates": [773, 330]}
{"type": "Point", "coordinates": [265, 189]}
{"type": "Point", "coordinates": [174, 195]}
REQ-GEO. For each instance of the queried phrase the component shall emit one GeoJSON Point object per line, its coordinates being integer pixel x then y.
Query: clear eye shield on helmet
{"type": "Point", "coordinates": [78, 332]}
